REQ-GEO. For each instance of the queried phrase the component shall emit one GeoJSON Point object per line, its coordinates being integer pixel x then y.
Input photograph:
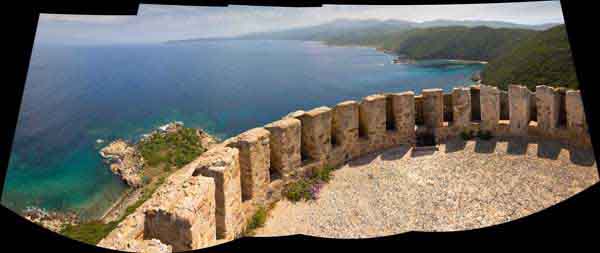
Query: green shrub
{"type": "Point", "coordinates": [323, 175]}
{"type": "Point", "coordinates": [308, 188]}
{"type": "Point", "coordinates": [258, 220]}
{"type": "Point", "coordinates": [298, 190]}
{"type": "Point", "coordinates": [485, 135]}
{"type": "Point", "coordinates": [466, 135]}
{"type": "Point", "coordinates": [171, 149]}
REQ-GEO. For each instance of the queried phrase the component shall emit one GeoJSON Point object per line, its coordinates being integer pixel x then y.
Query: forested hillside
{"type": "Point", "coordinates": [477, 43]}
{"type": "Point", "coordinates": [529, 55]}
{"type": "Point", "coordinates": [543, 59]}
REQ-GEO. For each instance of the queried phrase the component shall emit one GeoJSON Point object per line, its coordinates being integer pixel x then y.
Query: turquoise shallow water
{"type": "Point", "coordinates": [75, 95]}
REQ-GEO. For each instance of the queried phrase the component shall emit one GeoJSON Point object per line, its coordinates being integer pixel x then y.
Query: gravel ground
{"type": "Point", "coordinates": [463, 185]}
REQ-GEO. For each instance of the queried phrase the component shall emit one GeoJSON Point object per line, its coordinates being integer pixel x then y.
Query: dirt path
{"type": "Point", "coordinates": [464, 185]}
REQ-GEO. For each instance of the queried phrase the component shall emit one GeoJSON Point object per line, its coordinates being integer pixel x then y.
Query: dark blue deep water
{"type": "Point", "coordinates": [75, 95]}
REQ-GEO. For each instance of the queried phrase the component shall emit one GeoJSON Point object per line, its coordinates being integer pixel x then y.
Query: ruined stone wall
{"type": "Point", "coordinates": [211, 199]}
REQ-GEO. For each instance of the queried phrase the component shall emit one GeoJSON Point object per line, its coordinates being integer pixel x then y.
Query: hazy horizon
{"type": "Point", "coordinates": [159, 23]}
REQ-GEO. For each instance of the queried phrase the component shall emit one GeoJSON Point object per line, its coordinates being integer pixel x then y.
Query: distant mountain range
{"type": "Point", "coordinates": [355, 30]}
{"type": "Point", "coordinates": [368, 27]}
{"type": "Point", "coordinates": [526, 54]}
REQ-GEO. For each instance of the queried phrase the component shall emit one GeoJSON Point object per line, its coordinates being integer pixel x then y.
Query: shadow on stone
{"type": "Point", "coordinates": [423, 151]}
{"type": "Point", "coordinates": [548, 149]}
{"type": "Point", "coordinates": [395, 153]}
{"type": "Point", "coordinates": [584, 157]}
{"type": "Point", "coordinates": [485, 146]}
{"type": "Point", "coordinates": [517, 146]}
{"type": "Point", "coordinates": [455, 144]}
{"type": "Point", "coordinates": [362, 160]}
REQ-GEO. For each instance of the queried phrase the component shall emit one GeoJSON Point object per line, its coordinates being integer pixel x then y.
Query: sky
{"type": "Point", "coordinates": [159, 23]}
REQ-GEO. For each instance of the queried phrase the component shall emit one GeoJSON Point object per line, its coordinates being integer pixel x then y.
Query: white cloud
{"type": "Point", "coordinates": [90, 19]}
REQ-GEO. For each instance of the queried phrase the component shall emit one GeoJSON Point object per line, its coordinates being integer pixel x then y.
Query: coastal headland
{"type": "Point", "coordinates": [142, 165]}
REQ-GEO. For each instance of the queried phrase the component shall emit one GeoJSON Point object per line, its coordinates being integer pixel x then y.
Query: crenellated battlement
{"type": "Point", "coordinates": [212, 199]}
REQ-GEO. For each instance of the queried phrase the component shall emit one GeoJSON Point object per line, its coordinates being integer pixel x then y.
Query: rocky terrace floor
{"type": "Point", "coordinates": [463, 185]}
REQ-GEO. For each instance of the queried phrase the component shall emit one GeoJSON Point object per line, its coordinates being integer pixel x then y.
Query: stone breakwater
{"type": "Point", "coordinates": [210, 200]}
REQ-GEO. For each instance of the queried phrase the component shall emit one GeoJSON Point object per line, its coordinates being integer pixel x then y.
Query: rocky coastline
{"type": "Point", "coordinates": [125, 161]}
{"type": "Point", "coordinates": [54, 221]}
{"type": "Point", "coordinates": [130, 168]}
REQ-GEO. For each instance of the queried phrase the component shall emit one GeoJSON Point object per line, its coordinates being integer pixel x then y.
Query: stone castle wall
{"type": "Point", "coordinates": [211, 199]}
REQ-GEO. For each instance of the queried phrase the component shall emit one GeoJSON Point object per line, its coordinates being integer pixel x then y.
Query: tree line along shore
{"type": "Point", "coordinates": [516, 54]}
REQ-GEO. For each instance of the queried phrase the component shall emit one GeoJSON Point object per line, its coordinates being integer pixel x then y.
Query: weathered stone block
{"type": "Point", "coordinates": [548, 107]}
{"type": "Point", "coordinates": [316, 133]}
{"type": "Point", "coordinates": [345, 126]}
{"type": "Point", "coordinates": [433, 107]}
{"type": "Point", "coordinates": [225, 170]}
{"type": "Point", "coordinates": [188, 221]}
{"type": "Point", "coordinates": [285, 145]}
{"type": "Point", "coordinates": [403, 107]}
{"type": "Point", "coordinates": [489, 98]}
{"type": "Point", "coordinates": [519, 100]}
{"type": "Point", "coordinates": [461, 107]}
{"type": "Point", "coordinates": [372, 119]}
{"type": "Point", "coordinates": [255, 161]}
{"type": "Point", "coordinates": [575, 113]}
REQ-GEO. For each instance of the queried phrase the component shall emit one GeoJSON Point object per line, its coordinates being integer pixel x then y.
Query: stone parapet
{"type": "Point", "coordinates": [255, 162]}
{"type": "Point", "coordinates": [316, 133]}
{"type": "Point", "coordinates": [228, 193]}
{"type": "Point", "coordinates": [403, 112]}
{"type": "Point", "coordinates": [519, 100]}
{"type": "Point", "coordinates": [433, 108]}
{"type": "Point", "coordinates": [285, 145]}
{"type": "Point", "coordinates": [489, 98]}
{"type": "Point", "coordinates": [212, 198]}
{"type": "Point", "coordinates": [547, 107]}
{"type": "Point", "coordinates": [345, 128]}
{"type": "Point", "coordinates": [372, 120]}
{"type": "Point", "coordinates": [461, 107]}
{"type": "Point", "coordinates": [187, 223]}
{"type": "Point", "coordinates": [575, 113]}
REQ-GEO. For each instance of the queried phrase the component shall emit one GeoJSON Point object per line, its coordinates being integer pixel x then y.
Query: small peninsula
{"type": "Point", "coordinates": [143, 166]}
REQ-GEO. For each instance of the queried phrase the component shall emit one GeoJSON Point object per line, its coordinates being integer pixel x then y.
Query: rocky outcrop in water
{"type": "Point", "coordinates": [124, 161]}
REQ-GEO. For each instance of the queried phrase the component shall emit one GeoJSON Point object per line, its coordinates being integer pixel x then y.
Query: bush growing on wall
{"type": "Point", "coordinates": [308, 188]}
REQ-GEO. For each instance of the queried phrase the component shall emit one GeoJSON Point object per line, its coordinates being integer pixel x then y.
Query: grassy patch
{"type": "Point", "coordinates": [171, 149]}
{"type": "Point", "coordinates": [308, 188]}
{"type": "Point", "coordinates": [90, 232]}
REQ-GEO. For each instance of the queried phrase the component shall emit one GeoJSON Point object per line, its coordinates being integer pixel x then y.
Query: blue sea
{"type": "Point", "coordinates": [75, 95]}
